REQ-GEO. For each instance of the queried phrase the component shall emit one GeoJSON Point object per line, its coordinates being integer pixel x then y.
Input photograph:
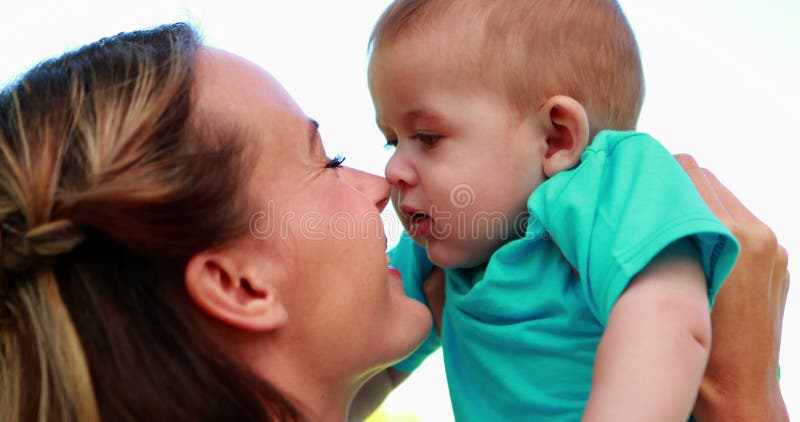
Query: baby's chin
{"type": "Point", "coordinates": [446, 255]}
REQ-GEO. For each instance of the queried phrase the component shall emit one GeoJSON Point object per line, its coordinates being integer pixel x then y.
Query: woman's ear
{"type": "Point", "coordinates": [566, 126]}
{"type": "Point", "coordinates": [227, 289]}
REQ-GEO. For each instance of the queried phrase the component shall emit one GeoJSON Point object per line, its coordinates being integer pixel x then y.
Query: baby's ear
{"type": "Point", "coordinates": [566, 126]}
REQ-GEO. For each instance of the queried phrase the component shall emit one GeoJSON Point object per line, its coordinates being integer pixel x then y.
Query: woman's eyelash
{"type": "Point", "coordinates": [335, 162]}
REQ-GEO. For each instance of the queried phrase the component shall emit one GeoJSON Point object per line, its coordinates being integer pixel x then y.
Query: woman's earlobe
{"type": "Point", "coordinates": [231, 295]}
{"type": "Point", "coordinates": [566, 125]}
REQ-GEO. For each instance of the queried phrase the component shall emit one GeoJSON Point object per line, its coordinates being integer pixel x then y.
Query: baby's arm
{"type": "Point", "coordinates": [652, 355]}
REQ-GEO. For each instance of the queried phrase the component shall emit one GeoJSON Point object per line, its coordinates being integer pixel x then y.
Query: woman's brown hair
{"type": "Point", "coordinates": [107, 187]}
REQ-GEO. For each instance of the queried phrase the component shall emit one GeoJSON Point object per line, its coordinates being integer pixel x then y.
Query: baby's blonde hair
{"type": "Point", "coordinates": [531, 50]}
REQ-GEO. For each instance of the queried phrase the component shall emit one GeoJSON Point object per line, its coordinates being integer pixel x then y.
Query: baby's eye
{"type": "Point", "coordinates": [427, 139]}
{"type": "Point", "coordinates": [390, 143]}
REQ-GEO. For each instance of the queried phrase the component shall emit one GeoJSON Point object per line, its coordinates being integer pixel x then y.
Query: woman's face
{"type": "Point", "coordinates": [346, 309]}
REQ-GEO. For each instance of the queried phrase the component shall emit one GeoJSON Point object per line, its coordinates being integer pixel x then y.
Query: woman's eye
{"type": "Point", "coordinates": [335, 162]}
{"type": "Point", "coordinates": [427, 139]}
{"type": "Point", "coordinates": [390, 143]}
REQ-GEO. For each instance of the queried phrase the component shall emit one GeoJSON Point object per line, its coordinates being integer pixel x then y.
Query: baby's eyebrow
{"type": "Point", "coordinates": [414, 117]}
{"type": "Point", "coordinates": [422, 115]}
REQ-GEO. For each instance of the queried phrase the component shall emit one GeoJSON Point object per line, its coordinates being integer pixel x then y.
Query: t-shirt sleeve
{"type": "Point", "coordinates": [412, 261]}
{"type": "Point", "coordinates": [625, 202]}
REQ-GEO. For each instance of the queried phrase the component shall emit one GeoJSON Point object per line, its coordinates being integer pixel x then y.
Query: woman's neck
{"type": "Point", "coordinates": [318, 396]}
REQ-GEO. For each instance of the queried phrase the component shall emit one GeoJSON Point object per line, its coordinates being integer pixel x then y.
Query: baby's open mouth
{"type": "Point", "coordinates": [419, 224]}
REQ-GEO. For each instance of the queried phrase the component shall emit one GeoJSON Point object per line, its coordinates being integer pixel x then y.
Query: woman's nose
{"type": "Point", "coordinates": [375, 188]}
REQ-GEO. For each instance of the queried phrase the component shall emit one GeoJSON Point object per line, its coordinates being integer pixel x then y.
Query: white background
{"type": "Point", "coordinates": [722, 84]}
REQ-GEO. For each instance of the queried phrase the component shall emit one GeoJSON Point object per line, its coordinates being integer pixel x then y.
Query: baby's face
{"type": "Point", "coordinates": [463, 164]}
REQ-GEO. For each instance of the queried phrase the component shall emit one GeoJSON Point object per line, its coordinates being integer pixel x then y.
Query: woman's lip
{"type": "Point", "coordinates": [395, 271]}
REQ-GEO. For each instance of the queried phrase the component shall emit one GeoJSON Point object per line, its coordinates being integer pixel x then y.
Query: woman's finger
{"type": "Point", "coordinates": [735, 208]}
{"type": "Point", "coordinates": [705, 188]}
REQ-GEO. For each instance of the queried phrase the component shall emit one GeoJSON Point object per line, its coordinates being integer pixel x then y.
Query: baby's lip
{"type": "Point", "coordinates": [412, 215]}
{"type": "Point", "coordinates": [417, 222]}
{"type": "Point", "coordinates": [408, 209]}
{"type": "Point", "coordinates": [412, 212]}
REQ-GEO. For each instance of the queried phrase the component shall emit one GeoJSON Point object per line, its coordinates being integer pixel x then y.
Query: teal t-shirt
{"type": "Point", "coordinates": [519, 333]}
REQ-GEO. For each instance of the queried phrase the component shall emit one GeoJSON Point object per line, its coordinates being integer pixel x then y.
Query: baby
{"type": "Point", "coordinates": [580, 261]}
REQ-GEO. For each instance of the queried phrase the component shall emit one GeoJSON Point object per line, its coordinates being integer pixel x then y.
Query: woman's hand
{"type": "Point", "coordinates": [741, 379]}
